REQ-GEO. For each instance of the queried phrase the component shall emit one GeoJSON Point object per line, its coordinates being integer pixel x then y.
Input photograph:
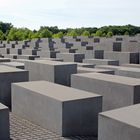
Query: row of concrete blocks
{"type": "Point", "coordinates": [74, 108]}
{"type": "Point", "coordinates": [122, 57]}
{"type": "Point", "coordinates": [53, 71]}
{"type": "Point", "coordinates": [47, 104]}
{"type": "Point", "coordinates": [128, 70]}
{"type": "Point", "coordinates": [129, 95]}
{"type": "Point", "coordinates": [119, 45]}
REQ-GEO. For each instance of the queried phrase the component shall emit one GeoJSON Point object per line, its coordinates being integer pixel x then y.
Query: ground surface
{"type": "Point", "coordinates": [21, 129]}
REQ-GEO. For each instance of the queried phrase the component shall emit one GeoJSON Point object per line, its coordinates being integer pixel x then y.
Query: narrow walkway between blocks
{"type": "Point", "coordinates": [21, 129]}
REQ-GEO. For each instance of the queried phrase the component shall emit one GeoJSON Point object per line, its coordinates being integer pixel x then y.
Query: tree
{"type": "Point", "coordinates": [1, 35]}
{"type": "Point", "coordinates": [99, 33]}
{"type": "Point", "coordinates": [72, 33]}
{"type": "Point", "coordinates": [4, 27]}
{"type": "Point", "coordinates": [85, 33]}
{"type": "Point", "coordinates": [58, 35]}
{"type": "Point", "coordinates": [45, 33]}
{"type": "Point", "coordinates": [12, 34]}
{"type": "Point", "coordinates": [109, 34]}
{"type": "Point", "coordinates": [126, 33]}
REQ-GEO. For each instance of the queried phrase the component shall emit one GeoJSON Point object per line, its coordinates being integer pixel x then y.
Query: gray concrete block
{"type": "Point", "coordinates": [4, 123]}
{"type": "Point", "coordinates": [71, 57]}
{"type": "Point", "coordinates": [48, 54]}
{"type": "Point", "coordinates": [53, 71]}
{"type": "Point", "coordinates": [14, 64]}
{"type": "Point", "coordinates": [50, 59]}
{"type": "Point", "coordinates": [101, 61]}
{"type": "Point", "coordinates": [9, 75]}
{"type": "Point", "coordinates": [120, 124]}
{"type": "Point", "coordinates": [61, 109]}
{"type": "Point", "coordinates": [29, 57]}
{"type": "Point", "coordinates": [128, 72]}
{"type": "Point", "coordinates": [12, 56]}
{"type": "Point", "coordinates": [92, 70]}
{"type": "Point", "coordinates": [15, 51]}
{"type": "Point", "coordinates": [123, 57]}
{"type": "Point", "coordinates": [4, 60]}
{"type": "Point", "coordinates": [29, 52]}
{"type": "Point", "coordinates": [85, 65]}
{"type": "Point", "coordinates": [117, 91]}
{"type": "Point", "coordinates": [131, 65]}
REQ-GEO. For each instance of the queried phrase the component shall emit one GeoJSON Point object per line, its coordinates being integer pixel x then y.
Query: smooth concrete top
{"type": "Point", "coordinates": [52, 62]}
{"type": "Point", "coordinates": [71, 53]}
{"type": "Point", "coordinates": [85, 64]}
{"type": "Point", "coordinates": [105, 60]}
{"type": "Point", "coordinates": [92, 69]}
{"type": "Point", "coordinates": [51, 59]}
{"type": "Point", "coordinates": [130, 69]}
{"type": "Point", "coordinates": [3, 107]}
{"type": "Point", "coordinates": [13, 64]}
{"type": "Point", "coordinates": [108, 66]}
{"type": "Point", "coordinates": [6, 69]}
{"type": "Point", "coordinates": [5, 59]}
{"type": "Point", "coordinates": [56, 91]}
{"type": "Point", "coordinates": [115, 52]}
{"type": "Point", "coordinates": [20, 60]}
{"type": "Point", "coordinates": [129, 115]}
{"type": "Point", "coordinates": [131, 65]}
{"type": "Point", "coordinates": [111, 78]}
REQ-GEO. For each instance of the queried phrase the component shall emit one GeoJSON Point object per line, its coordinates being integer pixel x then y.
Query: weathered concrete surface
{"type": "Point", "coordinates": [57, 107]}
{"type": "Point", "coordinates": [117, 91]}
{"type": "Point", "coordinates": [9, 75]}
{"type": "Point", "coordinates": [14, 64]}
{"type": "Point", "coordinates": [92, 70]}
{"type": "Point", "coordinates": [53, 71]}
{"type": "Point", "coordinates": [71, 57]}
{"type": "Point", "coordinates": [102, 61]}
{"type": "Point", "coordinates": [120, 124]}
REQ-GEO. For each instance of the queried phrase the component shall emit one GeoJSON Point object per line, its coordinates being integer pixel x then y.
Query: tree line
{"type": "Point", "coordinates": [9, 32]}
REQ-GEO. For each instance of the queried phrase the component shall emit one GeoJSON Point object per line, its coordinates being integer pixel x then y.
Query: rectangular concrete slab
{"type": "Point", "coordinates": [71, 57]}
{"type": "Point", "coordinates": [123, 57]}
{"type": "Point", "coordinates": [14, 64]}
{"type": "Point", "coordinates": [61, 109]}
{"type": "Point", "coordinates": [117, 91]}
{"type": "Point", "coordinates": [120, 124]}
{"type": "Point", "coordinates": [86, 65]}
{"type": "Point", "coordinates": [91, 70]}
{"type": "Point", "coordinates": [129, 72]}
{"type": "Point", "coordinates": [4, 123]}
{"type": "Point", "coordinates": [53, 71]}
{"type": "Point", "coordinates": [4, 60]}
{"type": "Point", "coordinates": [9, 75]}
{"type": "Point", "coordinates": [101, 61]}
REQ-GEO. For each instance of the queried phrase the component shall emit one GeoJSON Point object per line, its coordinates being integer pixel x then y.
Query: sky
{"type": "Point", "coordinates": [69, 13]}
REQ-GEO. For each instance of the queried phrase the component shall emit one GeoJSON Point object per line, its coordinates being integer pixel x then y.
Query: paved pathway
{"type": "Point", "coordinates": [21, 129]}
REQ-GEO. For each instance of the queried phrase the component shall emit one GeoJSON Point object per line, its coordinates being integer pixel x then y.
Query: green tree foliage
{"type": "Point", "coordinates": [12, 34]}
{"type": "Point", "coordinates": [8, 32]}
{"type": "Point", "coordinates": [45, 33]}
{"type": "Point", "coordinates": [20, 34]}
{"type": "Point", "coordinates": [4, 27]}
{"type": "Point", "coordinates": [126, 33]}
{"type": "Point", "coordinates": [85, 33]}
{"type": "Point", "coordinates": [109, 34]}
{"type": "Point", "coordinates": [72, 33]}
{"type": "Point", "coordinates": [58, 35]}
{"type": "Point", "coordinates": [2, 36]}
{"type": "Point", "coordinates": [99, 33]}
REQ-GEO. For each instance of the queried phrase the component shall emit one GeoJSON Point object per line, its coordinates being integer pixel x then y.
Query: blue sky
{"type": "Point", "coordinates": [69, 13]}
